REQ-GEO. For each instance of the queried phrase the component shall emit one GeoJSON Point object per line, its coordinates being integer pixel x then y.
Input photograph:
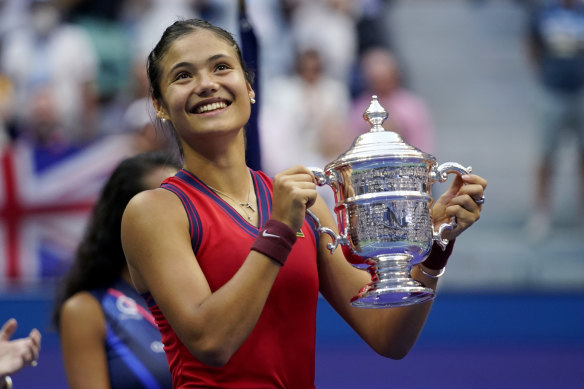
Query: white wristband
{"type": "Point", "coordinates": [440, 274]}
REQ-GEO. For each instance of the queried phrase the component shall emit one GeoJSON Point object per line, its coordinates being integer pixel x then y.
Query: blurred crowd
{"type": "Point", "coordinates": [72, 71]}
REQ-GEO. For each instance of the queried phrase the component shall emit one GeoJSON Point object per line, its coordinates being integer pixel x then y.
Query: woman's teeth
{"type": "Point", "coordinates": [211, 107]}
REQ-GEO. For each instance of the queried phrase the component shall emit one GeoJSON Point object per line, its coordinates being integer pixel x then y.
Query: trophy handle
{"type": "Point", "coordinates": [321, 178]}
{"type": "Point", "coordinates": [337, 239]}
{"type": "Point", "coordinates": [440, 173]}
{"type": "Point", "coordinates": [437, 235]}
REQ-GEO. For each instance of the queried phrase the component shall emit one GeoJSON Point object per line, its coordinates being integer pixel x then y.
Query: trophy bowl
{"type": "Point", "coordinates": [382, 191]}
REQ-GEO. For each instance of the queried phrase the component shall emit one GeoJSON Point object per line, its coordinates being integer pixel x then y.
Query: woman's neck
{"type": "Point", "coordinates": [220, 164]}
{"type": "Point", "coordinates": [229, 177]}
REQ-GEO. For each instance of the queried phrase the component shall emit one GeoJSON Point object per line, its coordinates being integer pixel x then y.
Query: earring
{"type": "Point", "coordinates": [163, 120]}
{"type": "Point", "coordinates": [252, 100]}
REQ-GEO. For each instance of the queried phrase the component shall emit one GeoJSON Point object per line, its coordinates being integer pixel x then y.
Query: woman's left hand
{"type": "Point", "coordinates": [463, 200]}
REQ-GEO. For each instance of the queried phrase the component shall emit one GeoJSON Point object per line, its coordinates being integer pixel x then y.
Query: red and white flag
{"type": "Point", "coordinates": [45, 204]}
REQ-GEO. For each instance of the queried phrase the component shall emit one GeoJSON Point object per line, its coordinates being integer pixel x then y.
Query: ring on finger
{"type": "Point", "coordinates": [480, 201]}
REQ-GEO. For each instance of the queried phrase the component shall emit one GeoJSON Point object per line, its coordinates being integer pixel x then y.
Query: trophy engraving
{"type": "Point", "coordinates": [382, 188]}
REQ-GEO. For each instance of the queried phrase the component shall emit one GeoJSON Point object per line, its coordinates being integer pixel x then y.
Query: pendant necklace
{"type": "Point", "coordinates": [245, 206]}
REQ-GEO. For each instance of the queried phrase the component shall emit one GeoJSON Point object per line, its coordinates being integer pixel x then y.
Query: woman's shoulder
{"type": "Point", "coordinates": [152, 212]}
{"type": "Point", "coordinates": [82, 305]}
{"type": "Point", "coordinates": [84, 308]}
{"type": "Point", "coordinates": [154, 200]}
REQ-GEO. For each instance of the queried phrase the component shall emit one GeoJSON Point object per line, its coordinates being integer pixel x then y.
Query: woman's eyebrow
{"type": "Point", "coordinates": [210, 59]}
{"type": "Point", "coordinates": [179, 65]}
{"type": "Point", "coordinates": [218, 56]}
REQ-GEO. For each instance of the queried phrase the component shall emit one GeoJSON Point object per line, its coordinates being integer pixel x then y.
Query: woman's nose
{"type": "Point", "coordinates": [206, 85]}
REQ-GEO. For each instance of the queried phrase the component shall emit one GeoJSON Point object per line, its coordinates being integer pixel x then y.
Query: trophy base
{"type": "Point", "coordinates": [392, 297]}
{"type": "Point", "coordinates": [392, 285]}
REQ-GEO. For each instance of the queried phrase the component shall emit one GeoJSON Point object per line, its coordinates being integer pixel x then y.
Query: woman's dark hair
{"type": "Point", "coordinates": [99, 259]}
{"type": "Point", "coordinates": [177, 30]}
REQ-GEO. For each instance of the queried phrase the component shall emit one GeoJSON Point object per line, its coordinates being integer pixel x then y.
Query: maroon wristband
{"type": "Point", "coordinates": [438, 258]}
{"type": "Point", "coordinates": [275, 240]}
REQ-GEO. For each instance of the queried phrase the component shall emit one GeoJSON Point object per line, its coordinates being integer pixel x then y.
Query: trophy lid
{"type": "Point", "coordinates": [379, 143]}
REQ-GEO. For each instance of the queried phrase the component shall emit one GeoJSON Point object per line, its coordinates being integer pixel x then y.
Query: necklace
{"type": "Point", "coordinates": [245, 206]}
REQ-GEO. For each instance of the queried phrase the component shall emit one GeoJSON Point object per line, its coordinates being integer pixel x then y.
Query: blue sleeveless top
{"type": "Point", "coordinates": [135, 355]}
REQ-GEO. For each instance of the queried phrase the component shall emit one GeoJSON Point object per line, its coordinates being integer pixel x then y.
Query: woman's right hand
{"type": "Point", "coordinates": [17, 353]}
{"type": "Point", "coordinates": [294, 192]}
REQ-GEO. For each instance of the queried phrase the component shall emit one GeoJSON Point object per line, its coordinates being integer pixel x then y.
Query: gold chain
{"type": "Point", "coordinates": [243, 205]}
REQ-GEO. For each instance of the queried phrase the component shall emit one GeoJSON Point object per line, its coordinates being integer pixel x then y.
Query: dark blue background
{"type": "Point", "coordinates": [475, 340]}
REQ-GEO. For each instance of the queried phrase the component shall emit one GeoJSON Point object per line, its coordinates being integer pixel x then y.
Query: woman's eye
{"type": "Point", "coordinates": [222, 66]}
{"type": "Point", "coordinates": [181, 76]}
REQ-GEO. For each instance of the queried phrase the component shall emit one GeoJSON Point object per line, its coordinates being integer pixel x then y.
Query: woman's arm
{"type": "Point", "coordinates": [392, 332]}
{"type": "Point", "coordinates": [158, 250]}
{"type": "Point", "coordinates": [82, 332]}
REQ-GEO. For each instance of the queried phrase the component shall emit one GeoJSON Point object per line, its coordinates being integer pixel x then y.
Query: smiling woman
{"type": "Point", "coordinates": [224, 255]}
{"type": "Point", "coordinates": [215, 74]}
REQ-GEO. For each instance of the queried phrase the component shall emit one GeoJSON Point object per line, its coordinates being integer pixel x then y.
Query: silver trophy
{"type": "Point", "coordinates": [382, 189]}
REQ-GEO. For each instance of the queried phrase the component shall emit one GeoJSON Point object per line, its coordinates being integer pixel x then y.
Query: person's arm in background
{"type": "Point", "coordinates": [17, 353]}
{"type": "Point", "coordinates": [83, 332]}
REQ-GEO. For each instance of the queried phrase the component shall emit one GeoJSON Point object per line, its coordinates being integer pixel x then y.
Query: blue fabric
{"type": "Point", "coordinates": [135, 355]}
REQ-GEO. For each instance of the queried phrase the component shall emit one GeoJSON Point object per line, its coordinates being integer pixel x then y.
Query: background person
{"type": "Point", "coordinates": [17, 353]}
{"type": "Point", "coordinates": [304, 116]}
{"type": "Point", "coordinates": [52, 65]}
{"type": "Point", "coordinates": [118, 345]}
{"type": "Point", "coordinates": [556, 49]}
{"type": "Point", "coordinates": [408, 114]}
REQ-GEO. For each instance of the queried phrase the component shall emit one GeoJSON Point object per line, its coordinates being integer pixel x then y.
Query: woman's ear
{"type": "Point", "coordinates": [250, 90]}
{"type": "Point", "coordinates": [160, 110]}
{"type": "Point", "coordinates": [251, 94]}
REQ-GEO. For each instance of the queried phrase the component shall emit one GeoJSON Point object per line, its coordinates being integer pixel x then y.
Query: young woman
{"type": "Point", "coordinates": [225, 256]}
{"type": "Point", "coordinates": [108, 337]}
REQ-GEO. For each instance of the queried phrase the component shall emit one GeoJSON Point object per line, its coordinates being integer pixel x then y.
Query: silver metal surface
{"type": "Point", "coordinates": [382, 189]}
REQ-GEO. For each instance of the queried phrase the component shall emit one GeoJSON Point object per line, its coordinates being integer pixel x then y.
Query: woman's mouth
{"type": "Point", "coordinates": [210, 107]}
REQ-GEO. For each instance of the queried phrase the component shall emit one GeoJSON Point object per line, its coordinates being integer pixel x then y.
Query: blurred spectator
{"type": "Point", "coordinates": [6, 107]}
{"type": "Point", "coordinates": [271, 20]}
{"type": "Point", "coordinates": [304, 117]}
{"type": "Point", "coordinates": [53, 67]}
{"type": "Point", "coordinates": [408, 114]}
{"type": "Point", "coordinates": [373, 30]}
{"type": "Point", "coordinates": [330, 27]}
{"type": "Point", "coordinates": [138, 116]}
{"type": "Point", "coordinates": [223, 13]}
{"type": "Point", "coordinates": [145, 20]}
{"type": "Point", "coordinates": [112, 44]}
{"type": "Point", "coordinates": [12, 15]}
{"type": "Point", "coordinates": [556, 48]}
{"type": "Point", "coordinates": [372, 25]}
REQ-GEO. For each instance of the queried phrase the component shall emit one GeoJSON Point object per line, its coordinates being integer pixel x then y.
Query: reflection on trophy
{"type": "Point", "coordinates": [382, 190]}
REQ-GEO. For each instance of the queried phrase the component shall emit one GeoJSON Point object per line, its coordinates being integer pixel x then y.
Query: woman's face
{"type": "Point", "coordinates": [203, 86]}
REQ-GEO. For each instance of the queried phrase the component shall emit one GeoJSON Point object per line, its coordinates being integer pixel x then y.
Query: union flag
{"type": "Point", "coordinates": [45, 202]}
